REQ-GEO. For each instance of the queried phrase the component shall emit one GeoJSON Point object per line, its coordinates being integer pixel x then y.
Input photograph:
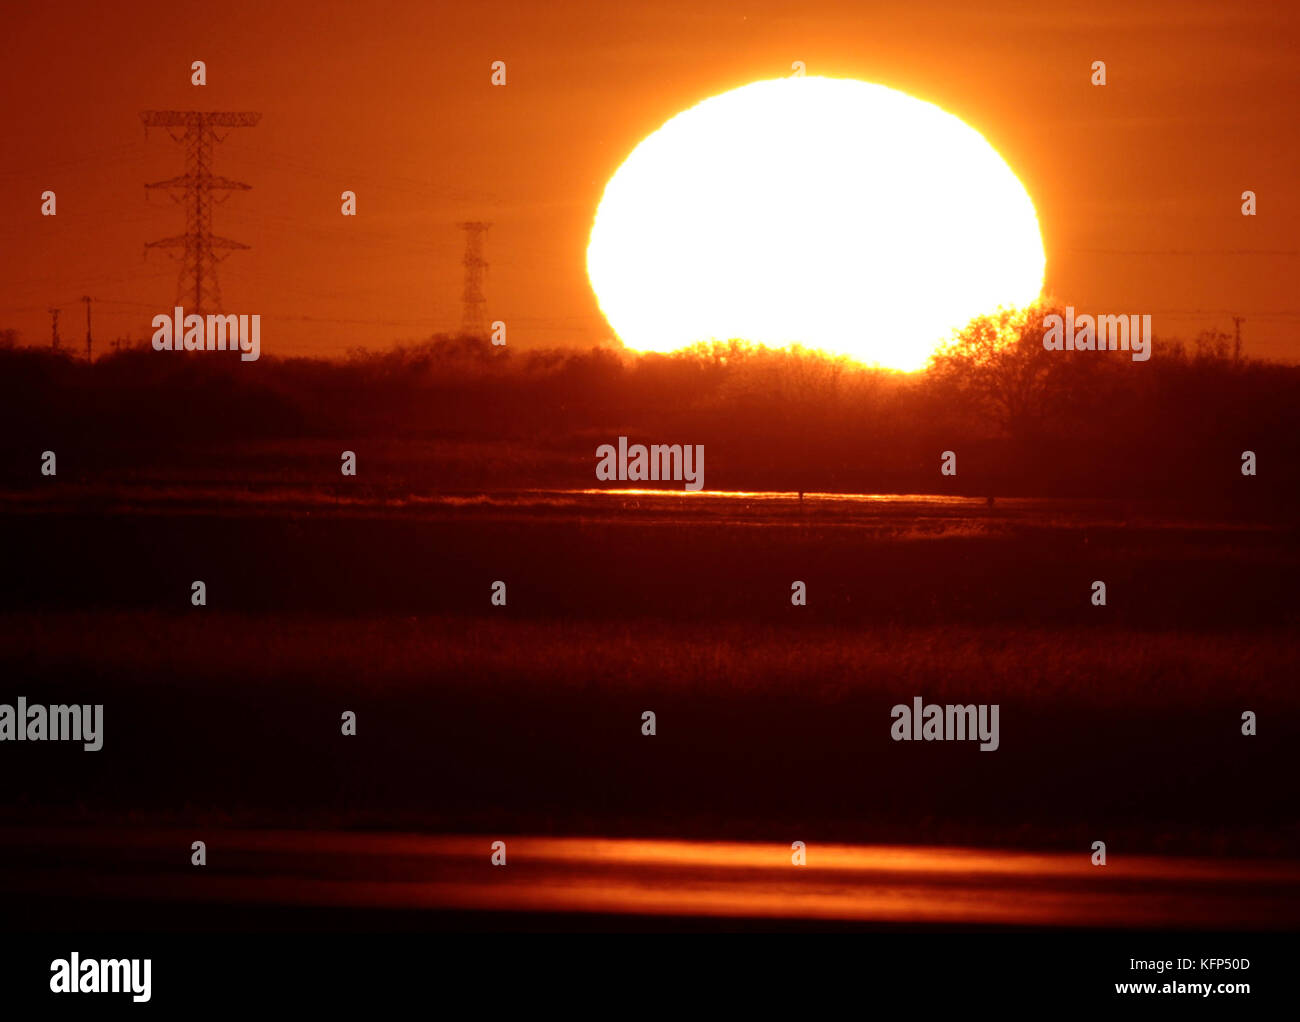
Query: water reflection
{"type": "Point", "coordinates": [883, 884]}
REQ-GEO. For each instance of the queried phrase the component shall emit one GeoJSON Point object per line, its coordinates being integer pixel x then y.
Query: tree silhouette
{"type": "Point", "coordinates": [996, 364]}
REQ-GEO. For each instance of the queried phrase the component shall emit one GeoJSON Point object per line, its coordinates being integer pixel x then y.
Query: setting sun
{"type": "Point", "coordinates": [832, 213]}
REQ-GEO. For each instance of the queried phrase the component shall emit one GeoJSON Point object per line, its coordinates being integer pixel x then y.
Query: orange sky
{"type": "Point", "coordinates": [1137, 184]}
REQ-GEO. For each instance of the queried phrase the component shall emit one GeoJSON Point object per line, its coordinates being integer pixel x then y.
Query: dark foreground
{"type": "Point", "coordinates": [89, 875]}
{"type": "Point", "coordinates": [1119, 724]}
{"type": "Point", "coordinates": [333, 919]}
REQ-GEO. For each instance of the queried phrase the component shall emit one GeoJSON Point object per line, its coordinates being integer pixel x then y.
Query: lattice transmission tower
{"type": "Point", "coordinates": [197, 288]}
{"type": "Point", "coordinates": [474, 321]}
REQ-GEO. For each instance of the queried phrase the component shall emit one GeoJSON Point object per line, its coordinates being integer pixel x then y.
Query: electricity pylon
{"type": "Point", "coordinates": [474, 322]}
{"type": "Point", "coordinates": [197, 286]}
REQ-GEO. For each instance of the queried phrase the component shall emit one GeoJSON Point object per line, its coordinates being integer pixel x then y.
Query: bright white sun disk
{"type": "Point", "coordinates": [827, 212]}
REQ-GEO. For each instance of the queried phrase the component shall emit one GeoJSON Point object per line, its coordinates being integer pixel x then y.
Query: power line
{"type": "Point", "coordinates": [1223, 312]}
{"type": "Point", "coordinates": [1187, 251]}
{"type": "Point", "coordinates": [113, 154]}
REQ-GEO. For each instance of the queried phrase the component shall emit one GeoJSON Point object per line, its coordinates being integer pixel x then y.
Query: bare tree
{"type": "Point", "coordinates": [998, 362]}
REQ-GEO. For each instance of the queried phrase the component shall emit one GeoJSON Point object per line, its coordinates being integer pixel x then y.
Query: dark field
{"type": "Point", "coordinates": [1118, 723]}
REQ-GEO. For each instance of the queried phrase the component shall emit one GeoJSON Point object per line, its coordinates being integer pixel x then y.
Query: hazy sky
{"type": "Point", "coordinates": [1137, 184]}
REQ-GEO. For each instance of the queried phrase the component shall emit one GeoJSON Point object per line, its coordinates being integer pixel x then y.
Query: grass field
{"type": "Point", "coordinates": [1119, 723]}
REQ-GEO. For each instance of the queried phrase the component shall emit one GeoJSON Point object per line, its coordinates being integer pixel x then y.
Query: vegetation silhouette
{"type": "Point", "coordinates": [456, 412]}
